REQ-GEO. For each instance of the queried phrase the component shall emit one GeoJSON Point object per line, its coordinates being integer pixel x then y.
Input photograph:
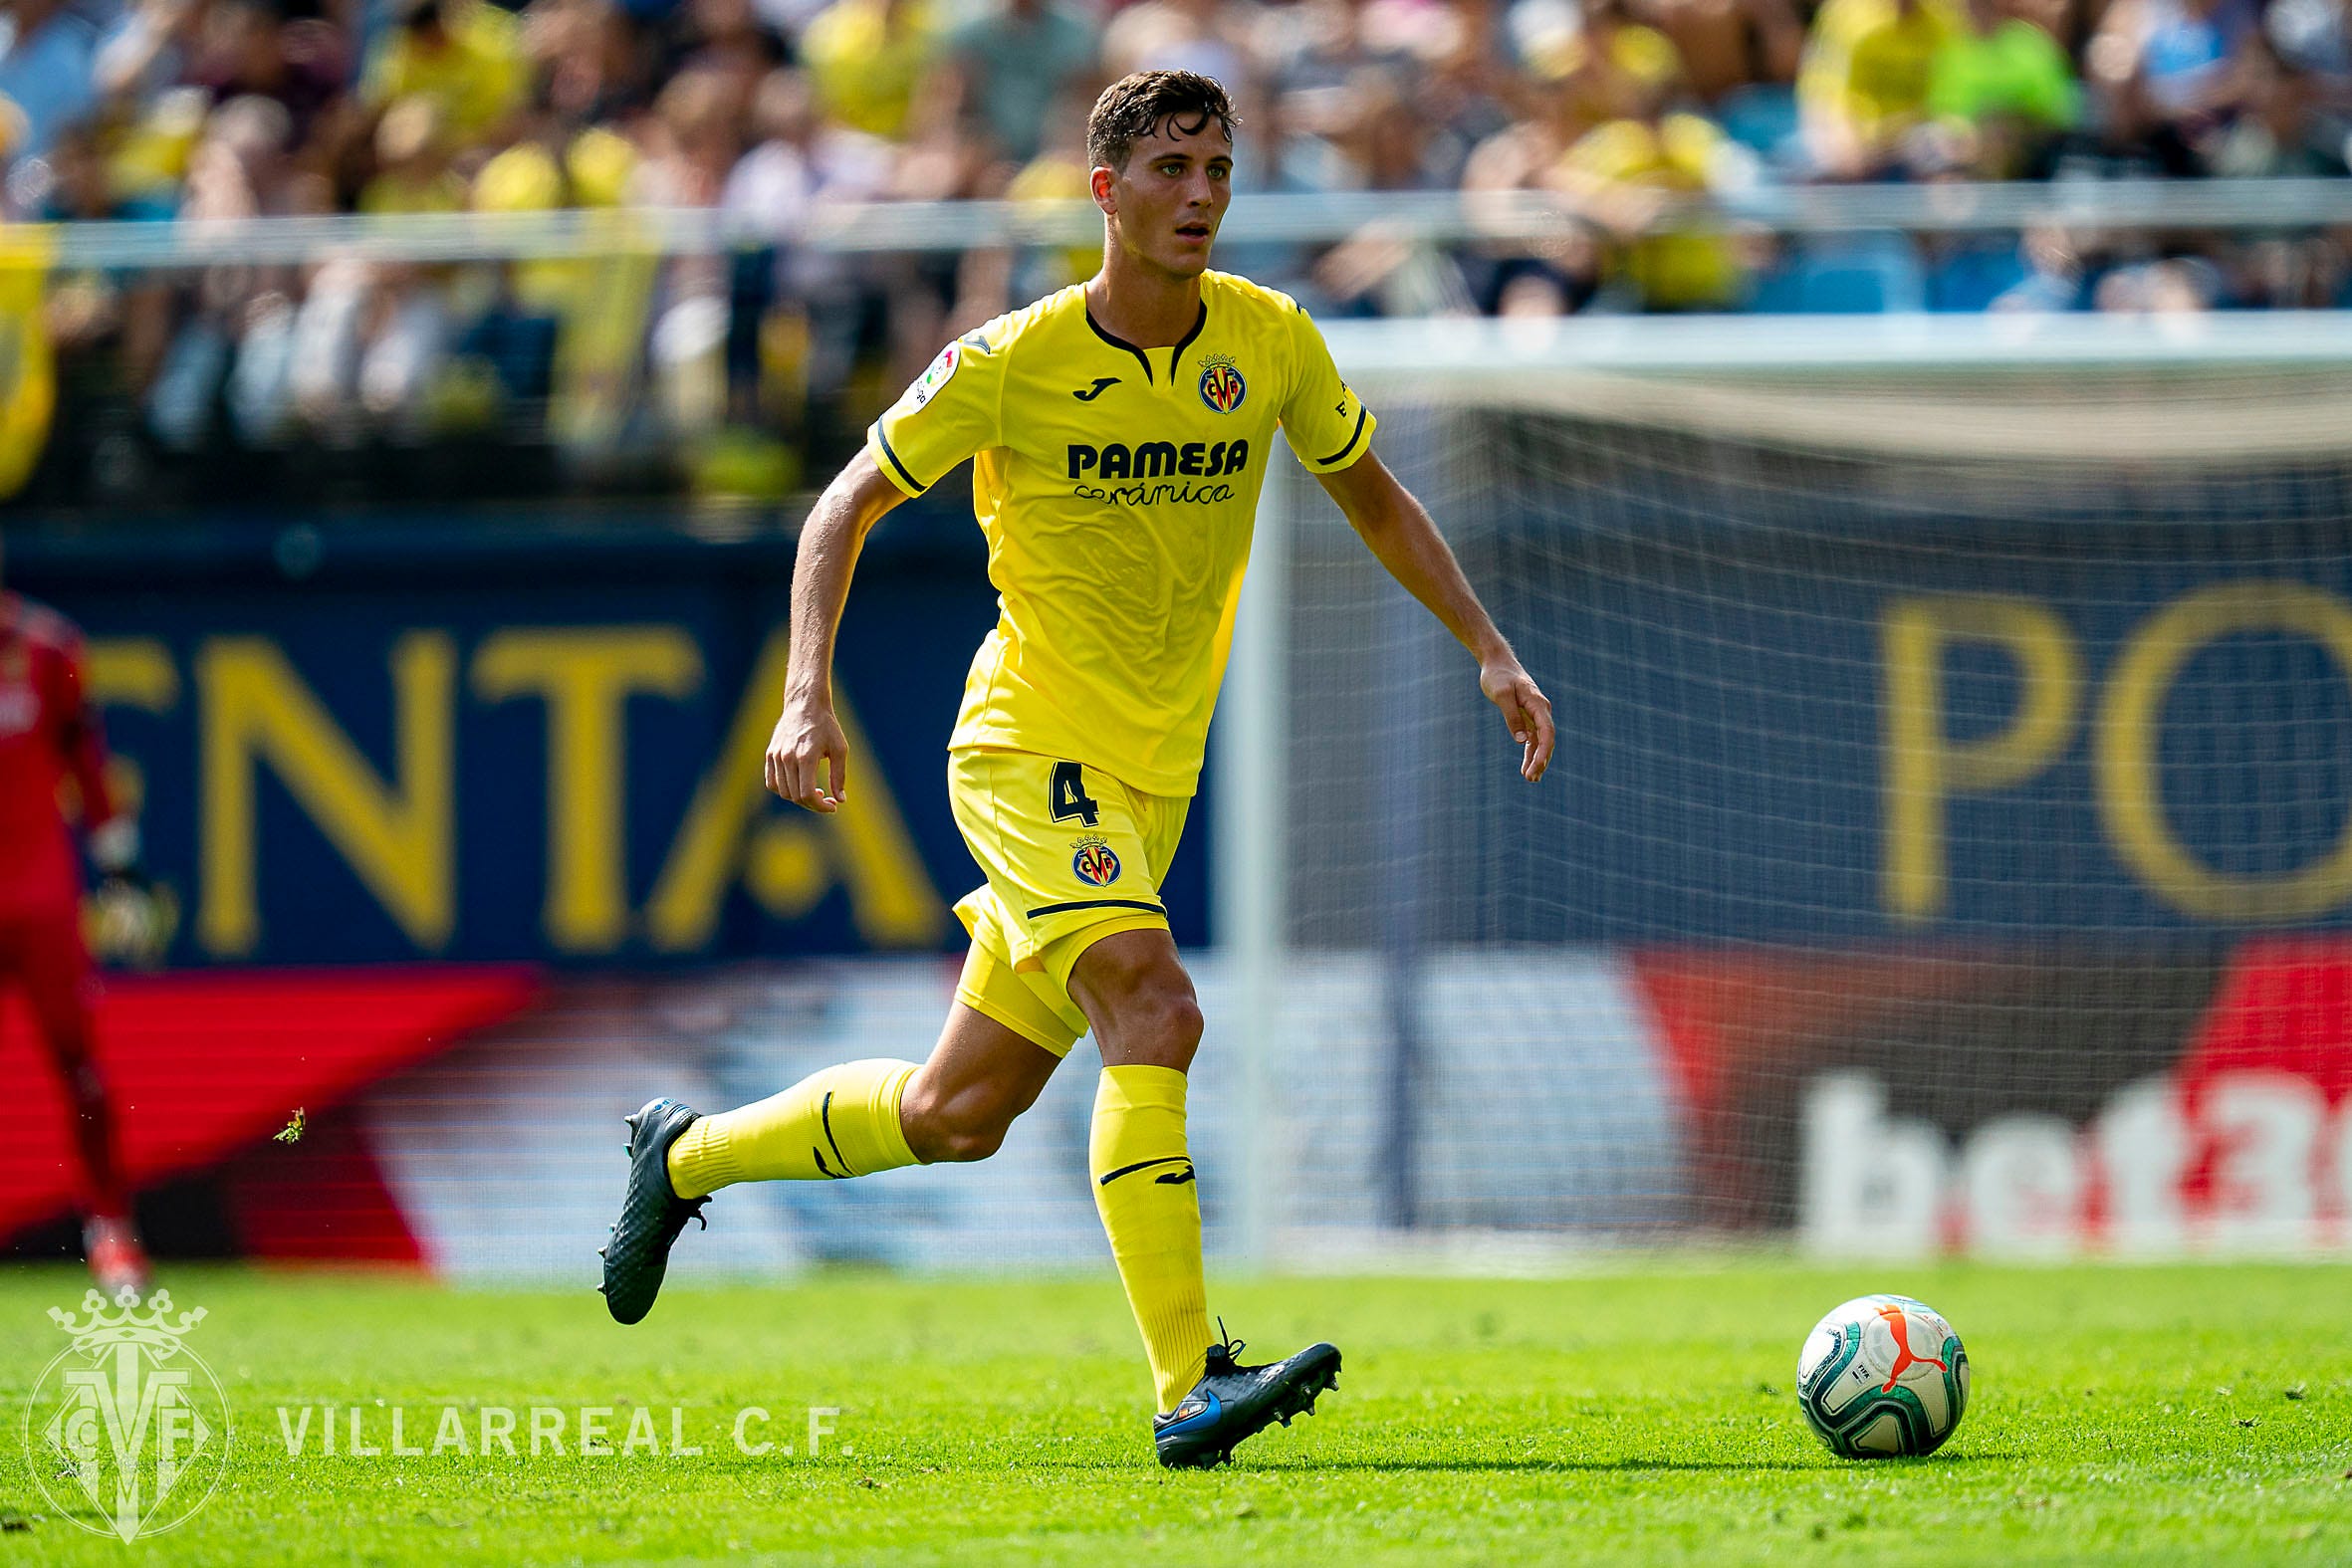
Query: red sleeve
{"type": "Point", "coordinates": [81, 737]}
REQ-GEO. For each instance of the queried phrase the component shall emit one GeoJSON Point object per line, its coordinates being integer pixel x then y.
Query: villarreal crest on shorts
{"type": "Point", "coordinates": [1116, 487]}
{"type": "Point", "coordinates": [1071, 855]}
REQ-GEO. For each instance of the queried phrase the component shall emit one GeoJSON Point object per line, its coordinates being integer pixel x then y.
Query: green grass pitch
{"type": "Point", "coordinates": [1634, 1414]}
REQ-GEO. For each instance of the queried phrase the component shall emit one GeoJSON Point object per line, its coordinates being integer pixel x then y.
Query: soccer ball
{"type": "Point", "coordinates": [1882, 1376]}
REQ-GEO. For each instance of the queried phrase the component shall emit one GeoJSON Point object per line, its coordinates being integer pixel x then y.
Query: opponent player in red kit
{"type": "Point", "coordinates": [46, 734]}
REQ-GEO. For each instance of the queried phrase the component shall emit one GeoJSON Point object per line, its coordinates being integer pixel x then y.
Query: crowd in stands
{"type": "Point", "coordinates": [770, 108]}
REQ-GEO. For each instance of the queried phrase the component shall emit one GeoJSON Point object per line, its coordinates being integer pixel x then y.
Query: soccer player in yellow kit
{"type": "Point", "coordinates": [1120, 432]}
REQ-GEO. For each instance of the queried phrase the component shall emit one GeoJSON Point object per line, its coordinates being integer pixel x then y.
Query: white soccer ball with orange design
{"type": "Point", "coordinates": [1883, 1376]}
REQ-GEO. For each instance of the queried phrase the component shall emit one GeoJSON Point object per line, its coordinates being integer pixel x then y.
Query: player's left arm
{"type": "Point", "coordinates": [1397, 527]}
{"type": "Point", "coordinates": [111, 834]}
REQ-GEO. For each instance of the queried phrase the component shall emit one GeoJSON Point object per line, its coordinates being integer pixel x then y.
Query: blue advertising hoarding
{"type": "Point", "coordinates": [1919, 727]}
{"type": "Point", "coordinates": [525, 739]}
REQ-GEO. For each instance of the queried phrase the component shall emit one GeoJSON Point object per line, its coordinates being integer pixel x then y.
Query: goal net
{"type": "Point", "coordinates": [1950, 840]}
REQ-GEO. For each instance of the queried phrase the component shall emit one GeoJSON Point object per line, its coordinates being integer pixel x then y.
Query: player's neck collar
{"type": "Point", "coordinates": [1143, 357]}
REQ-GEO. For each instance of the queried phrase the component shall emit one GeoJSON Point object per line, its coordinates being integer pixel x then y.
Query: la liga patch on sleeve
{"type": "Point", "coordinates": [932, 379]}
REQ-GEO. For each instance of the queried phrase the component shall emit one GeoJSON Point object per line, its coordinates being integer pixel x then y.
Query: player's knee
{"type": "Point", "coordinates": [1159, 1019]}
{"type": "Point", "coordinates": [1177, 1018]}
{"type": "Point", "coordinates": [1140, 1001]}
{"type": "Point", "coordinates": [974, 1142]}
{"type": "Point", "coordinates": [952, 1128]}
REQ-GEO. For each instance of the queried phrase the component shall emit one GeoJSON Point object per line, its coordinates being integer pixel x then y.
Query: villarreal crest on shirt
{"type": "Point", "coordinates": [1116, 487]}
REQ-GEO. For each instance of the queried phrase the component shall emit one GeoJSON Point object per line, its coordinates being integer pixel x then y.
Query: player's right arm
{"type": "Point", "coordinates": [949, 413]}
{"type": "Point", "coordinates": [808, 756]}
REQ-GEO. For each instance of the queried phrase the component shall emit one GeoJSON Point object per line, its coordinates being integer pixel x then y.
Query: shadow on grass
{"type": "Point", "coordinates": [1625, 1465]}
{"type": "Point", "coordinates": [1528, 1466]}
{"type": "Point", "coordinates": [1825, 1465]}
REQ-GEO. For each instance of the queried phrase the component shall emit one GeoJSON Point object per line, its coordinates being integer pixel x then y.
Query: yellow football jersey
{"type": "Point", "coordinates": [1117, 487]}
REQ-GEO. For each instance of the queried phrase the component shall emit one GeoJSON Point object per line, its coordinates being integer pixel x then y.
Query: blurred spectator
{"type": "Point", "coordinates": [48, 55]}
{"type": "Point", "coordinates": [2314, 38]}
{"type": "Point", "coordinates": [1013, 63]}
{"type": "Point", "coordinates": [1320, 52]}
{"type": "Point", "coordinates": [585, 57]}
{"type": "Point", "coordinates": [866, 58]}
{"type": "Point", "coordinates": [466, 55]}
{"type": "Point", "coordinates": [232, 346]}
{"type": "Point", "coordinates": [241, 168]}
{"type": "Point", "coordinates": [552, 165]}
{"type": "Point", "coordinates": [1058, 174]}
{"type": "Point", "coordinates": [1369, 136]}
{"type": "Point", "coordinates": [148, 157]}
{"type": "Point", "coordinates": [2286, 273]}
{"type": "Point", "coordinates": [694, 140]}
{"type": "Point", "coordinates": [1864, 85]}
{"type": "Point", "coordinates": [1364, 134]}
{"type": "Point", "coordinates": [769, 189]}
{"type": "Point", "coordinates": [107, 328]}
{"type": "Point", "coordinates": [79, 188]}
{"type": "Point", "coordinates": [731, 40]}
{"type": "Point", "coordinates": [148, 49]}
{"type": "Point", "coordinates": [2004, 90]}
{"type": "Point", "coordinates": [248, 48]}
{"type": "Point", "coordinates": [1317, 45]}
{"type": "Point", "coordinates": [2171, 285]}
{"type": "Point", "coordinates": [364, 350]}
{"type": "Point", "coordinates": [1605, 62]}
{"type": "Point", "coordinates": [1626, 172]}
{"type": "Point", "coordinates": [1571, 96]}
{"type": "Point", "coordinates": [1216, 38]}
{"type": "Point", "coordinates": [2275, 132]}
{"type": "Point", "coordinates": [2170, 69]}
{"type": "Point", "coordinates": [692, 143]}
{"type": "Point", "coordinates": [1729, 45]}
{"type": "Point", "coordinates": [549, 166]}
{"type": "Point", "coordinates": [803, 163]}
{"type": "Point", "coordinates": [1555, 112]}
{"type": "Point", "coordinates": [2053, 279]}
{"type": "Point", "coordinates": [413, 162]}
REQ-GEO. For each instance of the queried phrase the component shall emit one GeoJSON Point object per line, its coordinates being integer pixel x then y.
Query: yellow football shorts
{"type": "Point", "coordinates": [1071, 855]}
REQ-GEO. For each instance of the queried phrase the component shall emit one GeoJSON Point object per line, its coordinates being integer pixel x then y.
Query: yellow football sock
{"type": "Point", "coordinates": [841, 1122]}
{"type": "Point", "coordinates": [1151, 1211]}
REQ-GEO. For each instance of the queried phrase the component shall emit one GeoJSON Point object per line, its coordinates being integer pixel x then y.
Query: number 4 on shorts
{"type": "Point", "coordinates": [1068, 796]}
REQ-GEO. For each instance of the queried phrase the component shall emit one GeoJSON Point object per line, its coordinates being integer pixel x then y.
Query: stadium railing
{"type": "Point", "coordinates": [1434, 217]}
{"type": "Point", "coordinates": [560, 361]}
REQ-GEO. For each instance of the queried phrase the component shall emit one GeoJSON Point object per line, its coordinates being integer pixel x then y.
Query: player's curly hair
{"type": "Point", "coordinates": [1132, 108]}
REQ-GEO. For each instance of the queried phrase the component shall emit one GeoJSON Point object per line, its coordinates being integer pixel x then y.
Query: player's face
{"type": "Point", "coordinates": [1172, 195]}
